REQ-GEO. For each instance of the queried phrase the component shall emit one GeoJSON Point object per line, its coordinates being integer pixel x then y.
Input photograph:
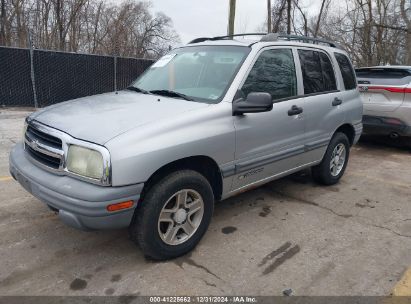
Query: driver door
{"type": "Point", "coordinates": [270, 143]}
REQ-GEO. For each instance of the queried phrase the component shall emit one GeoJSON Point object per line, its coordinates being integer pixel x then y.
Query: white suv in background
{"type": "Point", "coordinates": [386, 94]}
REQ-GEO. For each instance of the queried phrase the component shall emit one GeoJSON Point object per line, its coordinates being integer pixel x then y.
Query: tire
{"type": "Point", "coordinates": [325, 173]}
{"type": "Point", "coordinates": [174, 192]}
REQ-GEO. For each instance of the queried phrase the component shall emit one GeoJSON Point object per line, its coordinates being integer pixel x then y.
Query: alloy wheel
{"type": "Point", "coordinates": [338, 159]}
{"type": "Point", "coordinates": [180, 216]}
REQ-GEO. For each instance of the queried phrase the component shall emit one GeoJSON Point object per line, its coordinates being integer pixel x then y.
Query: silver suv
{"type": "Point", "coordinates": [205, 122]}
{"type": "Point", "coordinates": [386, 94]}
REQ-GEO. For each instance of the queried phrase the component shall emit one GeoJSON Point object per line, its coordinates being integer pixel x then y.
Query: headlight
{"type": "Point", "coordinates": [86, 162]}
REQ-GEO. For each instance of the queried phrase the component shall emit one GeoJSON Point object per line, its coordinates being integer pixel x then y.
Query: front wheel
{"type": "Point", "coordinates": [173, 216]}
{"type": "Point", "coordinates": [334, 162]}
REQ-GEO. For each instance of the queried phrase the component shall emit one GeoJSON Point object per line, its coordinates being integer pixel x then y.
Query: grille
{"type": "Point", "coordinates": [49, 161]}
{"type": "Point", "coordinates": [44, 138]}
{"type": "Point", "coordinates": [43, 147]}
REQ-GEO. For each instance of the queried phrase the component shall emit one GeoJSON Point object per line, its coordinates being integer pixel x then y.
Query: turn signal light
{"type": "Point", "coordinates": [120, 206]}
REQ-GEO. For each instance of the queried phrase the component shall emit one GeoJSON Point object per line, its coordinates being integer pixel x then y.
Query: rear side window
{"type": "Point", "coordinates": [312, 73]}
{"type": "Point", "coordinates": [328, 73]}
{"type": "Point", "coordinates": [318, 73]}
{"type": "Point", "coordinates": [347, 71]}
{"type": "Point", "coordinates": [274, 73]}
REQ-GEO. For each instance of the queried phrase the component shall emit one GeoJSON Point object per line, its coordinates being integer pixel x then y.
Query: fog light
{"type": "Point", "coordinates": [120, 206]}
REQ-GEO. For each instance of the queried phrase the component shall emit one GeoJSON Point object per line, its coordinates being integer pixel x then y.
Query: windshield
{"type": "Point", "coordinates": [197, 73]}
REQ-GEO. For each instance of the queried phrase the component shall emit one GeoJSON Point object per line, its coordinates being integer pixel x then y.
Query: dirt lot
{"type": "Point", "coordinates": [350, 239]}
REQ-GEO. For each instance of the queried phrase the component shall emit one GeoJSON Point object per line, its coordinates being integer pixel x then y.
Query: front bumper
{"type": "Point", "coordinates": [376, 125]}
{"type": "Point", "coordinates": [79, 204]}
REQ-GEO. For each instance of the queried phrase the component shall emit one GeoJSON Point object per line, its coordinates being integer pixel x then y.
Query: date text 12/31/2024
{"type": "Point", "coordinates": [203, 299]}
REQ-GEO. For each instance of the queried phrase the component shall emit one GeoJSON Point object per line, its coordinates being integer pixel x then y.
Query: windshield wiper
{"type": "Point", "coordinates": [136, 89]}
{"type": "Point", "coordinates": [171, 94]}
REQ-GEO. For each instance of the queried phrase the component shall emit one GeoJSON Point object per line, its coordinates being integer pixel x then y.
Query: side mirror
{"type": "Point", "coordinates": [255, 102]}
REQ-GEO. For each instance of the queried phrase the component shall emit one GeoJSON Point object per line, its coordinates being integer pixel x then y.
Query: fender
{"type": "Point", "coordinates": [138, 153]}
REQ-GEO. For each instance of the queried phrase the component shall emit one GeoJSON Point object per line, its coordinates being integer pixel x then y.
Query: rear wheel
{"type": "Point", "coordinates": [173, 216]}
{"type": "Point", "coordinates": [334, 162]}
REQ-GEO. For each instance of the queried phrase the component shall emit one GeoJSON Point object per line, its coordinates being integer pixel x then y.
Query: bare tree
{"type": "Point", "coordinates": [320, 15]}
{"type": "Point", "coordinates": [288, 16]}
{"type": "Point", "coordinates": [89, 26]}
{"type": "Point", "coordinates": [374, 32]}
{"type": "Point", "coordinates": [304, 18]}
{"type": "Point", "coordinates": [3, 22]}
{"type": "Point", "coordinates": [269, 26]}
{"type": "Point", "coordinates": [406, 15]}
{"type": "Point", "coordinates": [277, 13]}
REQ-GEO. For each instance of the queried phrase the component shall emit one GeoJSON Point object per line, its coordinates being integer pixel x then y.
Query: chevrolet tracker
{"type": "Point", "coordinates": [205, 122]}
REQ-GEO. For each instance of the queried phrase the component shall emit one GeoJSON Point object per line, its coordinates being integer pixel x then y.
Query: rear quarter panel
{"type": "Point", "coordinates": [349, 112]}
{"type": "Point", "coordinates": [353, 107]}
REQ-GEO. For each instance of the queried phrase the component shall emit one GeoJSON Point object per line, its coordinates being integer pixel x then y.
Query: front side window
{"type": "Point", "coordinates": [274, 73]}
{"type": "Point", "coordinates": [318, 72]}
{"type": "Point", "coordinates": [202, 73]}
{"type": "Point", "coordinates": [347, 71]}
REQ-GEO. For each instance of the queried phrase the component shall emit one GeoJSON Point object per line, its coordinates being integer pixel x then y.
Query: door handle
{"type": "Point", "coordinates": [295, 110]}
{"type": "Point", "coordinates": [336, 102]}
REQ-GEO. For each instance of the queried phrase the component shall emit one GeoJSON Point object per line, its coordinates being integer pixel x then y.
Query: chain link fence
{"type": "Point", "coordinates": [38, 78]}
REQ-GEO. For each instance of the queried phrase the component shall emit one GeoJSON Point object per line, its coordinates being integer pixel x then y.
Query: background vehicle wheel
{"type": "Point", "coordinates": [173, 216]}
{"type": "Point", "coordinates": [334, 162]}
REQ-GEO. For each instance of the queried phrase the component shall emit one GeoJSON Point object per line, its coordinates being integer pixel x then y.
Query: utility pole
{"type": "Point", "coordinates": [3, 23]}
{"type": "Point", "coordinates": [32, 75]}
{"type": "Point", "coordinates": [231, 17]}
{"type": "Point", "coordinates": [288, 17]}
{"type": "Point", "coordinates": [269, 29]}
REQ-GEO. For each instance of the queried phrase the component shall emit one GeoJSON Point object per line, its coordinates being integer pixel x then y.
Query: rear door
{"type": "Point", "coordinates": [322, 110]}
{"type": "Point", "coordinates": [383, 89]}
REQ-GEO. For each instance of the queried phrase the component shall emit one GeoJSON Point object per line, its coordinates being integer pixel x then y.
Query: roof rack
{"type": "Point", "coordinates": [305, 39]}
{"type": "Point", "coordinates": [271, 37]}
{"type": "Point", "coordinates": [202, 39]}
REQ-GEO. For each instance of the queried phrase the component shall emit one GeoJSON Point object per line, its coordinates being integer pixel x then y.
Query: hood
{"type": "Point", "coordinates": [100, 118]}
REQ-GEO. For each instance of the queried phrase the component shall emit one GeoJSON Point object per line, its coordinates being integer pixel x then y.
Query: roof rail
{"type": "Point", "coordinates": [305, 39]}
{"type": "Point", "coordinates": [271, 37]}
{"type": "Point", "coordinates": [197, 40]}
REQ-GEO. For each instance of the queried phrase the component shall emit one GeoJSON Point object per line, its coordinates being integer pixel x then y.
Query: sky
{"type": "Point", "coordinates": [205, 18]}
